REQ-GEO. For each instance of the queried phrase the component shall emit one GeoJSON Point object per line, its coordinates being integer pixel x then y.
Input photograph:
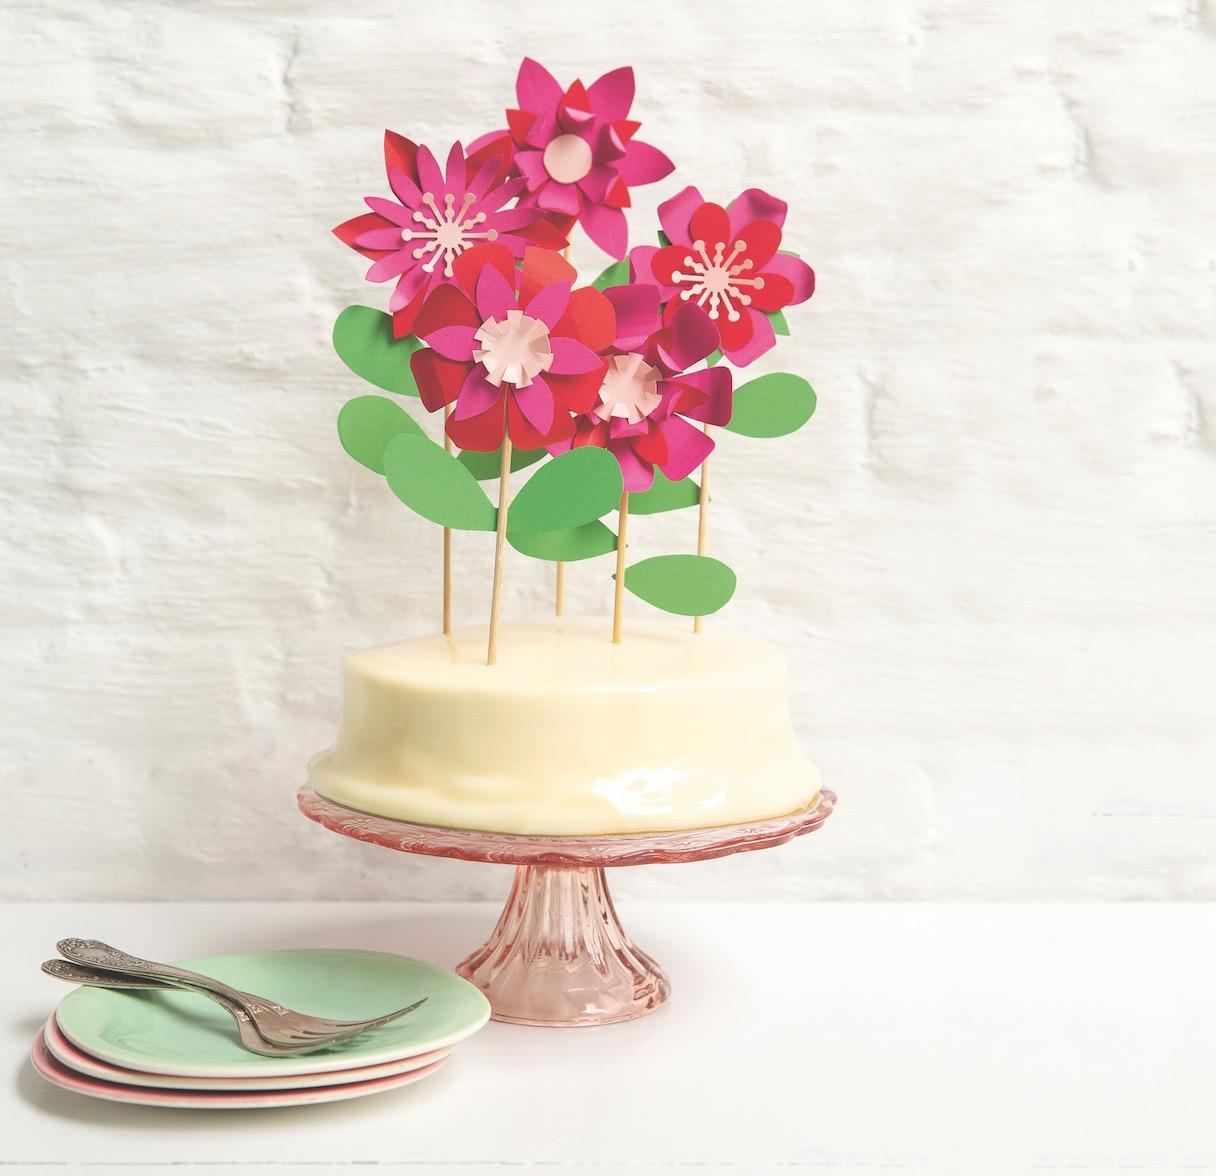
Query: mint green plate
{"type": "Point", "coordinates": [188, 1035]}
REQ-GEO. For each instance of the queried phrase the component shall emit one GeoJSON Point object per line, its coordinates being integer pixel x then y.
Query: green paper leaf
{"type": "Point", "coordinates": [569, 546]}
{"type": "Point", "coordinates": [665, 495]}
{"type": "Point", "coordinates": [368, 423]}
{"type": "Point", "coordinates": [713, 358]}
{"type": "Point", "coordinates": [780, 326]}
{"type": "Point", "coordinates": [664, 239]}
{"type": "Point", "coordinates": [432, 483]}
{"type": "Point", "coordinates": [487, 465]}
{"type": "Point", "coordinates": [575, 488]}
{"type": "Point", "coordinates": [772, 406]}
{"type": "Point", "coordinates": [690, 585]}
{"type": "Point", "coordinates": [363, 339]}
{"type": "Point", "coordinates": [617, 274]}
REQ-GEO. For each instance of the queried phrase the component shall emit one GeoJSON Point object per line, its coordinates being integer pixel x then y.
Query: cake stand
{"type": "Point", "coordinates": [559, 955]}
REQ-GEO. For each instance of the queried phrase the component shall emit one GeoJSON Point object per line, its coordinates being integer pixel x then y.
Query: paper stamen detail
{"type": "Point", "coordinates": [629, 389]}
{"type": "Point", "coordinates": [716, 280]}
{"type": "Point", "coordinates": [448, 235]}
{"type": "Point", "coordinates": [568, 158]}
{"type": "Point", "coordinates": [513, 350]}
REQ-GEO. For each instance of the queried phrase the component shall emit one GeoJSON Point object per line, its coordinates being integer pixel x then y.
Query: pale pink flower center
{"type": "Point", "coordinates": [630, 389]}
{"type": "Point", "coordinates": [446, 233]}
{"type": "Point", "coordinates": [567, 158]}
{"type": "Point", "coordinates": [513, 350]}
{"type": "Point", "coordinates": [716, 279]}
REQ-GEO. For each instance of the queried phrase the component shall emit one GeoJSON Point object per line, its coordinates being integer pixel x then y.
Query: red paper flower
{"type": "Point", "coordinates": [517, 350]}
{"type": "Point", "coordinates": [576, 151]}
{"type": "Point", "coordinates": [726, 261]}
{"type": "Point", "coordinates": [647, 390]}
{"type": "Point", "coordinates": [437, 216]}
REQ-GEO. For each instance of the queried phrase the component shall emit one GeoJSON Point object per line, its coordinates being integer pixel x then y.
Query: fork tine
{"type": "Point", "coordinates": [381, 1020]}
{"type": "Point", "coordinates": [344, 1028]}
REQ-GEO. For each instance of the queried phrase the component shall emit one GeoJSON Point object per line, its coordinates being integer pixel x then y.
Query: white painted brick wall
{"type": "Point", "coordinates": [991, 557]}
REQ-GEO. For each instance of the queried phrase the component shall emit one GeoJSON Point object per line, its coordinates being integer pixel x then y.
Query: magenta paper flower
{"type": "Point", "coordinates": [726, 261]}
{"type": "Point", "coordinates": [437, 215]}
{"type": "Point", "coordinates": [516, 349]}
{"type": "Point", "coordinates": [576, 151]}
{"type": "Point", "coordinates": [648, 397]}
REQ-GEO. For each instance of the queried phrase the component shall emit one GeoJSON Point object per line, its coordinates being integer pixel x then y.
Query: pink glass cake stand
{"type": "Point", "coordinates": [559, 955]}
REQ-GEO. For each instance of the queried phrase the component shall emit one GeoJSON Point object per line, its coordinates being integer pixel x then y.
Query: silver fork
{"type": "Point", "coordinates": [276, 1024]}
{"type": "Point", "coordinates": [250, 1038]}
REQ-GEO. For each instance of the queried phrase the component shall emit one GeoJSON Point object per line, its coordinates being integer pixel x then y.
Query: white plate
{"type": "Point", "coordinates": [75, 1059]}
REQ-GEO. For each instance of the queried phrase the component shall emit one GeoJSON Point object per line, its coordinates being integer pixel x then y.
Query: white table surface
{"type": "Point", "coordinates": [857, 1038]}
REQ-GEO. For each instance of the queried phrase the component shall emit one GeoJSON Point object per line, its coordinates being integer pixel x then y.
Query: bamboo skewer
{"type": "Point", "coordinates": [618, 598]}
{"type": "Point", "coordinates": [500, 542]}
{"type": "Point", "coordinates": [447, 541]}
{"type": "Point", "coordinates": [559, 589]}
{"type": "Point", "coordinates": [702, 521]}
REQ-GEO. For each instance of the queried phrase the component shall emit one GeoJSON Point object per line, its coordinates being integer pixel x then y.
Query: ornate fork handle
{"type": "Point", "coordinates": [95, 954]}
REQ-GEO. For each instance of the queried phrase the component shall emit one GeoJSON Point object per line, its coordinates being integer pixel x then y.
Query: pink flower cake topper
{"type": "Point", "coordinates": [605, 384]}
{"type": "Point", "coordinates": [438, 215]}
{"type": "Point", "coordinates": [726, 261]}
{"type": "Point", "coordinates": [648, 391]}
{"type": "Point", "coordinates": [517, 350]}
{"type": "Point", "coordinates": [576, 151]}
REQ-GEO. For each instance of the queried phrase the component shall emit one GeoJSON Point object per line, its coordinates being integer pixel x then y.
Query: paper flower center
{"type": "Point", "coordinates": [567, 158]}
{"type": "Point", "coordinates": [447, 233]}
{"type": "Point", "coordinates": [630, 389]}
{"type": "Point", "coordinates": [513, 350]}
{"type": "Point", "coordinates": [716, 279]}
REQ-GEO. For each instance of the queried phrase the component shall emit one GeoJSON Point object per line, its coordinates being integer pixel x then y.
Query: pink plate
{"type": "Point", "coordinates": [56, 1072]}
{"type": "Point", "coordinates": [85, 1063]}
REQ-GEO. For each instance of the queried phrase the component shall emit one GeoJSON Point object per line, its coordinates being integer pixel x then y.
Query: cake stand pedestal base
{"type": "Point", "coordinates": [559, 955]}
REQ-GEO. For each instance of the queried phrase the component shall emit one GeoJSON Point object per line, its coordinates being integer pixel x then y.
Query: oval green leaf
{"type": "Point", "coordinates": [665, 495]}
{"type": "Point", "coordinates": [432, 483]}
{"type": "Point", "coordinates": [363, 339]}
{"type": "Point", "coordinates": [772, 406]}
{"type": "Point", "coordinates": [487, 465]}
{"type": "Point", "coordinates": [690, 585]}
{"type": "Point", "coordinates": [780, 325]}
{"type": "Point", "coordinates": [575, 488]}
{"type": "Point", "coordinates": [368, 423]}
{"type": "Point", "coordinates": [569, 546]}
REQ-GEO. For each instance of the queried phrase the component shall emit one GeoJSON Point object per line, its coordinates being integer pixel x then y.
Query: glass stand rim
{"type": "Point", "coordinates": [525, 849]}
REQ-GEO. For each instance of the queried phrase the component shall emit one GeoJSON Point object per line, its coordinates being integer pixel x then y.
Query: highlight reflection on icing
{"type": "Point", "coordinates": [639, 790]}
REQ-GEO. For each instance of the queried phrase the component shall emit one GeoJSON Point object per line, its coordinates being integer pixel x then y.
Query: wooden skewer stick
{"type": "Point", "coordinates": [618, 598]}
{"type": "Point", "coordinates": [447, 541]}
{"type": "Point", "coordinates": [559, 589]}
{"type": "Point", "coordinates": [702, 521]}
{"type": "Point", "coordinates": [500, 542]}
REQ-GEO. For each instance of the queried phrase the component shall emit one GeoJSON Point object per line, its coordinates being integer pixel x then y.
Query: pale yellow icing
{"type": "Point", "coordinates": [568, 733]}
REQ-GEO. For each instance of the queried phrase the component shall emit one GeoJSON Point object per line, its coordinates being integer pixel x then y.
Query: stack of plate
{"type": "Point", "coordinates": [178, 1049]}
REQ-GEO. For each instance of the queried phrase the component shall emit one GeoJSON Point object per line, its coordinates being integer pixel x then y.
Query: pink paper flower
{"type": "Point", "coordinates": [516, 349]}
{"type": "Point", "coordinates": [576, 151]}
{"type": "Point", "coordinates": [726, 261]}
{"type": "Point", "coordinates": [648, 397]}
{"type": "Point", "coordinates": [437, 216]}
